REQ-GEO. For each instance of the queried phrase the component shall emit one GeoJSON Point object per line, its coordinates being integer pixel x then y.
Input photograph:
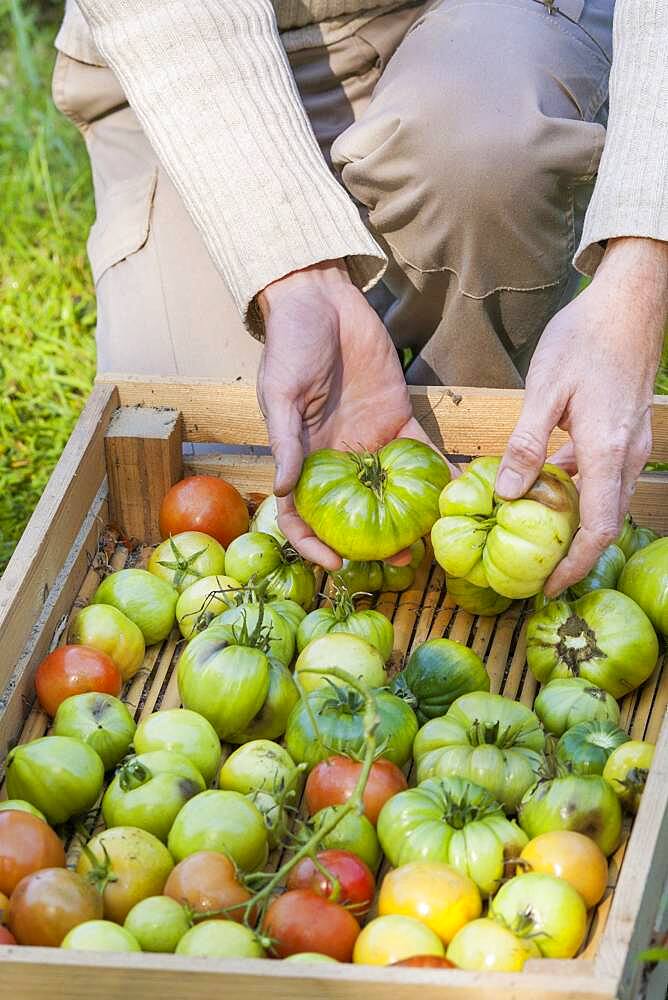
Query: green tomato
{"type": "Point", "coordinates": [185, 733]}
{"type": "Point", "coordinates": [101, 721]}
{"type": "Point", "coordinates": [584, 803]}
{"type": "Point", "coordinates": [545, 908]}
{"type": "Point", "coordinates": [626, 771]}
{"type": "Point", "coordinates": [485, 738]}
{"type": "Point", "coordinates": [586, 746]}
{"type": "Point", "coordinates": [309, 956]}
{"type": "Point", "coordinates": [272, 719]}
{"type": "Point", "coordinates": [339, 650]}
{"type": "Point", "coordinates": [371, 577]}
{"type": "Point", "coordinates": [269, 626]}
{"type": "Point", "coordinates": [454, 821]}
{"type": "Point", "coordinates": [372, 626]}
{"type": "Point", "coordinates": [352, 833]}
{"type": "Point", "coordinates": [371, 505]}
{"type": "Point", "coordinates": [604, 637]}
{"type": "Point", "coordinates": [338, 713]}
{"type": "Point", "coordinates": [144, 598]}
{"type": "Point", "coordinates": [220, 939]}
{"type": "Point", "coordinates": [149, 791]}
{"type": "Point", "coordinates": [278, 570]}
{"type": "Point", "coordinates": [289, 611]}
{"type": "Point", "coordinates": [437, 673]}
{"type": "Point", "coordinates": [265, 519]}
{"type": "Point", "coordinates": [157, 923]}
{"type": "Point", "coordinates": [184, 558]}
{"type": "Point", "coordinates": [603, 575]}
{"type": "Point", "coordinates": [226, 683]}
{"type": "Point", "coordinates": [260, 766]}
{"type": "Point", "coordinates": [100, 935]}
{"type": "Point", "coordinates": [60, 776]}
{"type": "Point", "coordinates": [566, 701]}
{"type": "Point", "coordinates": [106, 628]}
{"type": "Point", "coordinates": [645, 580]}
{"type": "Point", "coordinates": [511, 546]}
{"type": "Point", "coordinates": [221, 821]}
{"type": "Point", "coordinates": [20, 805]}
{"type": "Point", "coordinates": [483, 945]}
{"type": "Point", "coordinates": [477, 600]}
{"type": "Point", "coordinates": [632, 537]}
{"type": "Point", "coordinates": [203, 601]}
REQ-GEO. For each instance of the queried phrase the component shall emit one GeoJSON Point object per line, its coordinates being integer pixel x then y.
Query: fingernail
{"type": "Point", "coordinates": [509, 484]}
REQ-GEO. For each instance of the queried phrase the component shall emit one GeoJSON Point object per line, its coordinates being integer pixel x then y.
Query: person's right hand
{"type": "Point", "coordinates": [330, 377]}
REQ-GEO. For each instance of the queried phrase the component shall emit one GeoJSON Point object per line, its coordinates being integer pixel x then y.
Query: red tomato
{"type": "Point", "coordinates": [6, 937]}
{"type": "Point", "coordinates": [426, 962]}
{"type": "Point", "coordinates": [49, 903]}
{"type": "Point", "coordinates": [205, 881]}
{"type": "Point", "coordinates": [356, 882]}
{"type": "Point", "coordinates": [204, 503]}
{"type": "Point", "coordinates": [332, 782]}
{"type": "Point", "coordinates": [26, 845]}
{"type": "Point", "coordinates": [300, 920]}
{"type": "Point", "coordinates": [75, 670]}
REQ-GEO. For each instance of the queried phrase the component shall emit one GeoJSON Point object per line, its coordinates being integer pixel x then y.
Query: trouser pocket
{"type": "Point", "coordinates": [85, 93]}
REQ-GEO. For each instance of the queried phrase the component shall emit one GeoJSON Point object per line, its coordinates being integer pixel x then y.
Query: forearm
{"type": "Point", "coordinates": [631, 193]}
{"type": "Point", "coordinates": [211, 85]}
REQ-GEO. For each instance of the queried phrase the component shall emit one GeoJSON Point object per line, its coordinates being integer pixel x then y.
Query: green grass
{"type": "Point", "coordinates": [47, 304]}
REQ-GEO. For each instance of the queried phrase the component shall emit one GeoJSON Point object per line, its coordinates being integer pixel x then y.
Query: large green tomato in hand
{"type": "Point", "coordinates": [371, 505]}
{"type": "Point", "coordinates": [145, 599]}
{"type": "Point", "coordinates": [645, 580]}
{"type": "Point", "coordinates": [488, 739]}
{"type": "Point", "coordinates": [604, 637]}
{"type": "Point", "coordinates": [455, 821]}
{"type": "Point", "coordinates": [511, 546]}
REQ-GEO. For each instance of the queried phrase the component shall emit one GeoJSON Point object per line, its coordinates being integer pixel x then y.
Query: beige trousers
{"type": "Point", "coordinates": [469, 133]}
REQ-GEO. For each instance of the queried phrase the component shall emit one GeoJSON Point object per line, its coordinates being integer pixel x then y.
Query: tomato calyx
{"type": "Point", "coordinates": [459, 811]}
{"type": "Point", "coordinates": [370, 471]}
{"type": "Point", "coordinates": [635, 780]}
{"type": "Point", "coordinates": [259, 637]}
{"type": "Point", "coordinates": [132, 774]}
{"type": "Point", "coordinates": [577, 643]}
{"type": "Point", "coordinates": [492, 733]}
{"type": "Point", "coordinates": [101, 873]}
{"type": "Point", "coordinates": [181, 564]}
{"type": "Point", "coordinates": [524, 925]}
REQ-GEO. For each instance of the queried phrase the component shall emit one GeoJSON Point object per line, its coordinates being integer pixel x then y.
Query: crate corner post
{"type": "Point", "coordinates": [143, 454]}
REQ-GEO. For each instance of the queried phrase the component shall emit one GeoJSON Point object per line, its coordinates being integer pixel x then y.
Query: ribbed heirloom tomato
{"type": "Point", "coordinates": [204, 503]}
{"type": "Point", "coordinates": [72, 670]}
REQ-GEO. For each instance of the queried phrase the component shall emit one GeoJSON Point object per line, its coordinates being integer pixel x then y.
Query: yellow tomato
{"type": "Point", "coordinates": [485, 945]}
{"type": "Point", "coordinates": [390, 939]}
{"type": "Point", "coordinates": [573, 857]}
{"type": "Point", "coordinates": [432, 892]}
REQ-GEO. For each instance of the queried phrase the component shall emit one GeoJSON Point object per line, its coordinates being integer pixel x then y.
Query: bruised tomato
{"type": "Point", "coordinates": [72, 670]}
{"type": "Point", "coordinates": [351, 884]}
{"type": "Point", "coordinates": [300, 920]}
{"type": "Point", "coordinates": [207, 881]}
{"type": "Point", "coordinates": [207, 504]}
{"type": "Point", "coordinates": [26, 845]}
{"type": "Point", "coordinates": [333, 781]}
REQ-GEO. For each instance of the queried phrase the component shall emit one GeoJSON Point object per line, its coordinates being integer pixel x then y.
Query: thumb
{"type": "Point", "coordinates": [284, 425]}
{"type": "Point", "coordinates": [527, 448]}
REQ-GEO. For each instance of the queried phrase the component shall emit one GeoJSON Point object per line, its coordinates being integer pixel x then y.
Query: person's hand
{"type": "Point", "coordinates": [592, 375]}
{"type": "Point", "coordinates": [329, 377]}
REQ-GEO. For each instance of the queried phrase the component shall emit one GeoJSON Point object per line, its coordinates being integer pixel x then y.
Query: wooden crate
{"type": "Point", "coordinates": [116, 466]}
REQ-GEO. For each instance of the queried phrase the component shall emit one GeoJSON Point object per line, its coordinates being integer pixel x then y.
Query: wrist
{"type": "Point", "coordinates": [638, 266]}
{"type": "Point", "coordinates": [327, 279]}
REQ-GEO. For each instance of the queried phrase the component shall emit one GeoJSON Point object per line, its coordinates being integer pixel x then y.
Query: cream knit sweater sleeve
{"type": "Point", "coordinates": [631, 192]}
{"type": "Point", "coordinates": [212, 88]}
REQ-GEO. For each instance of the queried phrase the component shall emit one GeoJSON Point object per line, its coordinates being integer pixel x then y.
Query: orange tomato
{"type": "Point", "coordinates": [432, 892]}
{"type": "Point", "coordinates": [573, 857]}
{"type": "Point", "coordinates": [390, 939]}
{"type": "Point", "coordinates": [204, 503]}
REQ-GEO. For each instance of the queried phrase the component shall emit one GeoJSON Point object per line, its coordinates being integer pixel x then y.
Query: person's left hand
{"type": "Point", "coordinates": [593, 375]}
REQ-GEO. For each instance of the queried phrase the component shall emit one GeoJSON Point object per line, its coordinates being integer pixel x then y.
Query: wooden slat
{"type": "Point", "coordinates": [641, 882]}
{"type": "Point", "coordinates": [649, 503]}
{"type": "Point", "coordinates": [45, 973]}
{"type": "Point", "coordinates": [249, 473]}
{"type": "Point", "coordinates": [53, 528]}
{"type": "Point", "coordinates": [465, 421]}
